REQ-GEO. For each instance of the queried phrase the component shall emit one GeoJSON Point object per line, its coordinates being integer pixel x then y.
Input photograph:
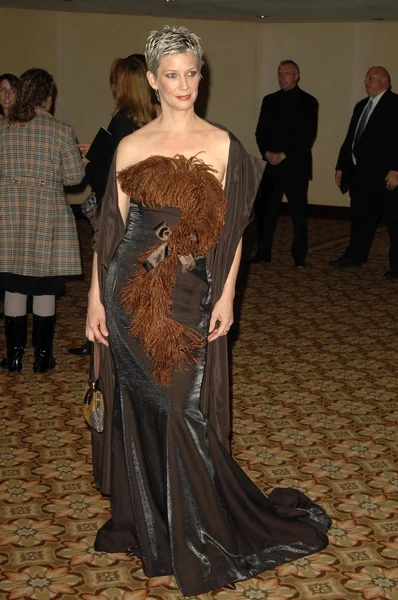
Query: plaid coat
{"type": "Point", "coordinates": [38, 235]}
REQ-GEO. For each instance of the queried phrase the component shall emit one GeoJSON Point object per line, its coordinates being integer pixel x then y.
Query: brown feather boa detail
{"type": "Point", "coordinates": [189, 185]}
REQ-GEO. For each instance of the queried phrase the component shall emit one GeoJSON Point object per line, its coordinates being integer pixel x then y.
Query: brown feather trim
{"type": "Point", "coordinates": [189, 185]}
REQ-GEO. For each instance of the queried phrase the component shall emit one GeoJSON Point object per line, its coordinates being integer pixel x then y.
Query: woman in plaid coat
{"type": "Point", "coordinates": [38, 239]}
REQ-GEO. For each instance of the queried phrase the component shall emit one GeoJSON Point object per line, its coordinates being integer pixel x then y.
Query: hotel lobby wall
{"type": "Point", "coordinates": [78, 48]}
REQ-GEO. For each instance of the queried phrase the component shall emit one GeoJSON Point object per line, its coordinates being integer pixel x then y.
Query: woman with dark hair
{"type": "Point", "coordinates": [154, 100]}
{"type": "Point", "coordinates": [134, 108]}
{"type": "Point", "coordinates": [8, 90]}
{"type": "Point", "coordinates": [38, 238]}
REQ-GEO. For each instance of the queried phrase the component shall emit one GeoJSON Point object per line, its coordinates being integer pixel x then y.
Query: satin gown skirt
{"type": "Point", "coordinates": [179, 501]}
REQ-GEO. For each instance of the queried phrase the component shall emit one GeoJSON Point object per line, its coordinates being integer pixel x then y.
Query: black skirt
{"type": "Point", "coordinates": [32, 286]}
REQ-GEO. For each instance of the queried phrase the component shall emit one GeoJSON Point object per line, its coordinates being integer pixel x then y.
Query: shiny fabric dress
{"type": "Point", "coordinates": [179, 500]}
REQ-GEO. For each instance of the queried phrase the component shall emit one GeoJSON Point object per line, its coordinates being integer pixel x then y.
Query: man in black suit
{"type": "Point", "coordinates": [368, 167]}
{"type": "Point", "coordinates": [285, 134]}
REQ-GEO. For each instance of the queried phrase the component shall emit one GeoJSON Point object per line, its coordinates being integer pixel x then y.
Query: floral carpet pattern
{"type": "Point", "coordinates": [314, 406]}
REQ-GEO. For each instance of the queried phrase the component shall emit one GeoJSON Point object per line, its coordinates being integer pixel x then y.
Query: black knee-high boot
{"type": "Point", "coordinates": [42, 340]}
{"type": "Point", "coordinates": [16, 335]}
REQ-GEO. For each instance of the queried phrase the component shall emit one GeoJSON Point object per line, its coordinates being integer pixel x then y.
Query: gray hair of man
{"type": "Point", "coordinates": [291, 62]}
{"type": "Point", "coordinates": [171, 40]}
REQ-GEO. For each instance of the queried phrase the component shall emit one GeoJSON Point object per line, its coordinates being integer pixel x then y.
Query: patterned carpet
{"type": "Point", "coordinates": [314, 407]}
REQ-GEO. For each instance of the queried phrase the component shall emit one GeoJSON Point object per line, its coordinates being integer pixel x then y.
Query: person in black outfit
{"type": "Point", "coordinates": [134, 108]}
{"type": "Point", "coordinates": [368, 166]}
{"type": "Point", "coordinates": [285, 134]}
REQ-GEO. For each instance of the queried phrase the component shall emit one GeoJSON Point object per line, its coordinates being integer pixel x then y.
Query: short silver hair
{"type": "Point", "coordinates": [171, 40]}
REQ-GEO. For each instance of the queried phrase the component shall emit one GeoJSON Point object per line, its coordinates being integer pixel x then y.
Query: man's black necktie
{"type": "Point", "coordinates": [362, 125]}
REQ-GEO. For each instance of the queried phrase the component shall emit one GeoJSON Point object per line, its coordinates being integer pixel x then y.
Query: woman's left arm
{"type": "Point", "coordinates": [222, 316]}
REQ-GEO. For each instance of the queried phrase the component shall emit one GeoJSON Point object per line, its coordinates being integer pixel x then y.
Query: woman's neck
{"type": "Point", "coordinates": [174, 120]}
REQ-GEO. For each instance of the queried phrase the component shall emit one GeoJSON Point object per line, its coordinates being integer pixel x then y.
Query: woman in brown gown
{"type": "Point", "coordinates": [167, 254]}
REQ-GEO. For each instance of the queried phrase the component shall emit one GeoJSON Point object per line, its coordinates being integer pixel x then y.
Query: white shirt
{"type": "Point", "coordinates": [375, 102]}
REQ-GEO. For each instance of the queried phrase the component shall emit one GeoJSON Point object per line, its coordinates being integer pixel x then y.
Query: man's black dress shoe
{"type": "Point", "coordinates": [84, 350]}
{"type": "Point", "coordinates": [391, 273]}
{"type": "Point", "coordinates": [131, 552]}
{"type": "Point", "coordinates": [300, 264]}
{"type": "Point", "coordinates": [343, 263]}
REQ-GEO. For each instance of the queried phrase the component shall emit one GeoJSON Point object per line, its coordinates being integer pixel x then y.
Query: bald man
{"type": "Point", "coordinates": [368, 167]}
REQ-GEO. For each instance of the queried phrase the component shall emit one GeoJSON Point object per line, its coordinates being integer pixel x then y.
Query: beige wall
{"type": "Point", "coordinates": [79, 48]}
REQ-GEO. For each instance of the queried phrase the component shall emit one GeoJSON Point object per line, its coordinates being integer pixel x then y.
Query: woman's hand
{"type": "Point", "coordinates": [96, 330]}
{"type": "Point", "coordinates": [83, 149]}
{"type": "Point", "coordinates": [221, 319]}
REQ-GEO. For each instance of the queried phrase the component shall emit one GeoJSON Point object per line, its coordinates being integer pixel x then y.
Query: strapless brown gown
{"type": "Point", "coordinates": [179, 500]}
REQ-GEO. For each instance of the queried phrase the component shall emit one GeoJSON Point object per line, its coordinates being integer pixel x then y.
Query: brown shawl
{"type": "Point", "coordinates": [244, 173]}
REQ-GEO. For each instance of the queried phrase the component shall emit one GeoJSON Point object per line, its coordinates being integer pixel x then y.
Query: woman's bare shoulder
{"type": "Point", "coordinates": [218, 139]}
{"type": "Point", "coordinates": [218, 132]}
{"type": "Point", "coordinates": [132, 148]}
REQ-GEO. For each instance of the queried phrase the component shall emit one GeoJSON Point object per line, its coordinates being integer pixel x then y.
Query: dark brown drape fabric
{"type": "Point", "coordinates": [244, 174]}
{"type": "Point", "coordinates": [243, 179]}
{"type": "Point", "coordinates": [109, 230]}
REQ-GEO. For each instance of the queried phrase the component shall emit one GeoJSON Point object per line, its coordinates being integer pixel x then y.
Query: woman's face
{"type": "Point", "coordinates": [7, 95]}
{"type": "Point", "coordinates": [177, 80]}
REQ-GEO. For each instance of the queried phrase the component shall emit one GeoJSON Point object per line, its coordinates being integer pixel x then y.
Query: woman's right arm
{"type": "Point", "coordinates": [96, 329]}
{"type": "Point", "coordinates": [72, 168]}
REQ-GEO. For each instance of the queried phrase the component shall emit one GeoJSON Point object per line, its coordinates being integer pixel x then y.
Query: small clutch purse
{"type": "Point", "coordinates": [93, 405]}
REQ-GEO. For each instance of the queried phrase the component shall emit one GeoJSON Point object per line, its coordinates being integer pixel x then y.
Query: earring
{"type": "Point", "coordinates": [157, 95]}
